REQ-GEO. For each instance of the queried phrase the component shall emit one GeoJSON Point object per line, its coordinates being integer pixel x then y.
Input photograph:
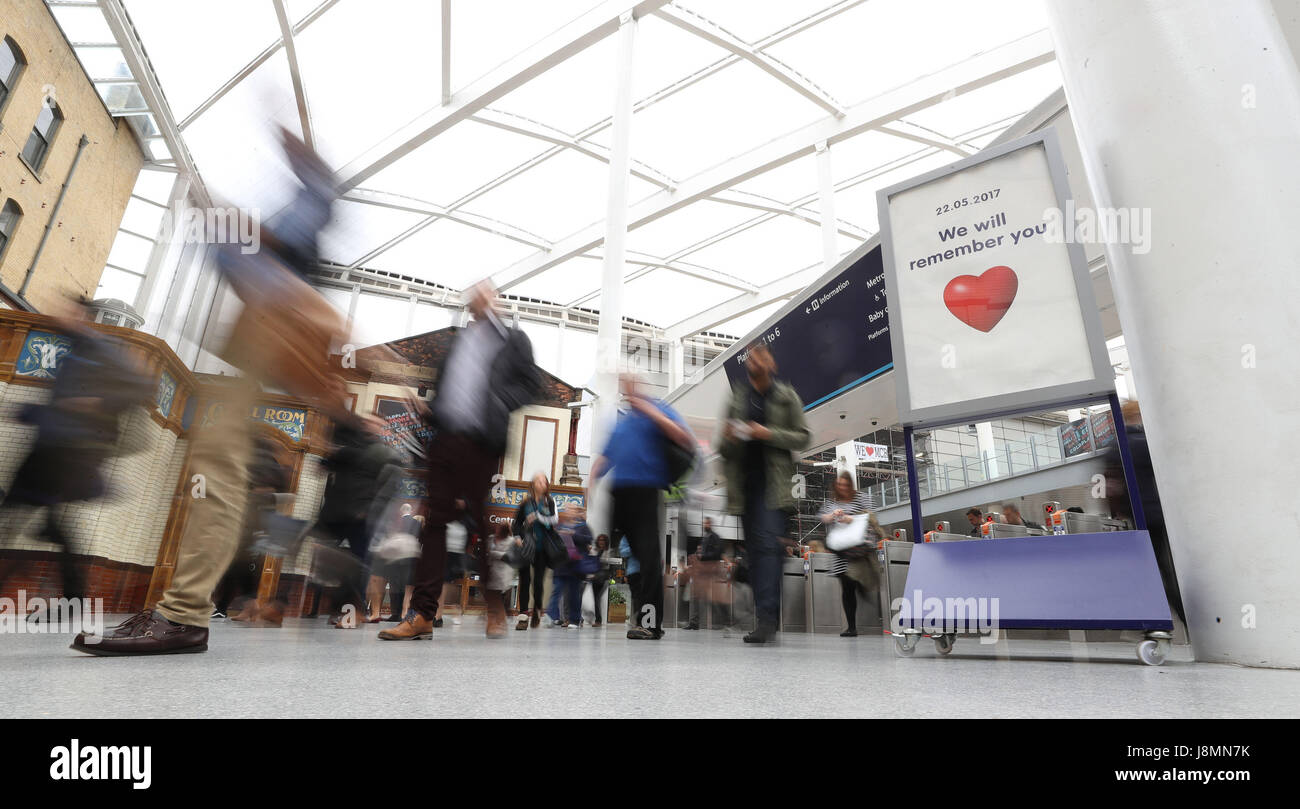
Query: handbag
{"type": "Point", "coordinates": [679, 459]}
{"type": "Point", "coordinates": [397, 546]}
{"type": "Point", "coordinates": [556, 553]}
{"type": "Point", "coordinates": [521, 554]}
{"type": "Point", "coordinates": [843, 536]}
{"type": "Point", "coordinates": [587, 565]}
{"type": "Point", "coordinates": [278, 535]}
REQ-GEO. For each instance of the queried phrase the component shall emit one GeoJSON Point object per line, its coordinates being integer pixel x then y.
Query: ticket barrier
{"type": "Point", "coordinates": [795, 606]}
{"type": "Point", "coordinates": [1072, 522]}
{"type": "Point", "coordinates": [895, 556]}
{"type": "Point", "coordinates": [827, 606]}
{"type": "Point", "coordinates": [1000, 530]}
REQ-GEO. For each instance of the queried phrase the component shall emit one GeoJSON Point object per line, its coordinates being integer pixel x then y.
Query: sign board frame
{"type": "Point", "coordinates": [1100, 385]}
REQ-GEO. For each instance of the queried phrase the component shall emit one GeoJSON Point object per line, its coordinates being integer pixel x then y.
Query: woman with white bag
{"type": "Point", "coordinates": [852, 534]}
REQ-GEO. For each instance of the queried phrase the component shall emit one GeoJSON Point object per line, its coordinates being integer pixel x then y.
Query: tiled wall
{"type": "Point", "coordinates": [126, 525]}
{"type": "Point", "coordinates": [311, 491]}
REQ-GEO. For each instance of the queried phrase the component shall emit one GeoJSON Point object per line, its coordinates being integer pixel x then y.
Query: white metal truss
{"type": "Point", "coordinates": [534, 129]}
{"type": "Point", "coordinates": [474, 102]}
{"type": "Point", "coordinates": [699, 26]}
{"type": "Point", "coordinates": [986, 68]}
{"type": "Point", "coordinates": [259, 60]}
{"type": "Point", "coordinates": [138, 63]}
{"type": "Point", "coordinates": [295, 74]}
{"type": "Point", "coordinates": [434, 212]}
{"type": "Point", "coordinates": [573, 38]}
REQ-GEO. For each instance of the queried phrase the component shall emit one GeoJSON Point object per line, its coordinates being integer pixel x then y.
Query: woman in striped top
{"type": "Point", "coordinates": [856, 566]}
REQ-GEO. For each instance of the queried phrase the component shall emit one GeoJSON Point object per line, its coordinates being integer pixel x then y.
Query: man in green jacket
{"type": "Point", "coordinates": [763, 428]}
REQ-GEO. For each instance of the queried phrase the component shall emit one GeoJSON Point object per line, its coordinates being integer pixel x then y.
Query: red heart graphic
{"type": "Point", "coordinates": [980, 301]}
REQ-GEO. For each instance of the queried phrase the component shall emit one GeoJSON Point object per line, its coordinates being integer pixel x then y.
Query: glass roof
{"type": "Point", "coordinates": [723, 91]}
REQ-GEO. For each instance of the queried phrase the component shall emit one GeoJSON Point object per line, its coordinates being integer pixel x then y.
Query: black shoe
{"type": "Point", "coordinates": [760, 635]}
{"type": "Point", "coordinates": [692, 626]}
{"type": "Point", "coordinates": [437, 623]}
{"type": "Point", "coordinates": [217, 614]}
{"type": "Point", "coordinates": [641, 633]}
{"type": "Point", "coordinates": [849, 633]}
{"type": "Point", "coordinates": [147, 633]}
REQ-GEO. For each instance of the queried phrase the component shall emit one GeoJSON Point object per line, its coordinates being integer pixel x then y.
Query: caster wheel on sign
{"type": "Point", "coordinates": [905, 647]}
{"type": "Point", "coordinates": [1151, 653]}
{"type": "Point", "coordinates": [943, 643]}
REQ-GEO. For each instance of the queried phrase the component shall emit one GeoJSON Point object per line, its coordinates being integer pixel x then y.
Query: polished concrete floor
{"type": "Point", "coordinates": [309, 669]}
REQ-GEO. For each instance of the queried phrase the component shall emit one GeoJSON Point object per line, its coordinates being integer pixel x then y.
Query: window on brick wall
{"type": "Point", "coordinates": [38, 143]}
{"type": "Point", "coordinates": [11, 64]}
{"type": "Point", "coordinates": [9, 216]}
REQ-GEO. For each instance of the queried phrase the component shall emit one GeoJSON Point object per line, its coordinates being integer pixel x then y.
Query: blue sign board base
{"type": "Point", "coordinates": [1073, 581]}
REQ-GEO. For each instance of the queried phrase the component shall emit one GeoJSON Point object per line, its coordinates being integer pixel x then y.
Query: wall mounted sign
{"type": "Point", "coordinates": [166, 394]}
{"type": "Point", "coordinates": [1075, 439]}
{"type": "Point", "coordinates": [871, 453]}
{"type": "Point", "coordinates": [1092, 432]}
{"type": "Point", "coordinates": [412, 488]}
{"type": "Point", "coordinates": [989, 313]}
{"type": "Point", "coordinates": [402, 428]}
{"type": "Point", "coordinates": [291, 421]}
{"type": "Point", "coordinates": [835, 339]}
{"type": "Point", "coordinates": [514, 495]}
{"type": "Point", "coordinates": [41, 355]}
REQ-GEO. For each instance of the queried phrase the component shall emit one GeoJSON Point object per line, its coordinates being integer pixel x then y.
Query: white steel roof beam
{"type": "Point", "coordinates": [978, 71]}
{"type": "Point", "coordinates": [758, 202]}
{"type": "Point", "coordinates": [731, 59]}
{"type": "Point", "coordinates": [919, 134]}
{"type": "Point", "coordinates": [645, 263]}
{"type": "Point", "coordinates": [138, 63]}
{"type": "Point", "coordinates": [573, 38]}
{"type": "Point", "coordinates": [258, 61]}
{"type": "Point", "coordinates": [693, 23]}
{"type": "Point", "coordinates": [411, 205]}
{"type": "Point", "coordinates": [781, 289]}
{"type": "Point", "coordinates": [295, 74]}
{"type": "Point", "coordinates": [547, 134]}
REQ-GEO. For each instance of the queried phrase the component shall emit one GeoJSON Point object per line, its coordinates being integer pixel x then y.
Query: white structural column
{"type": "Point", "coordinates": [1191, 108]}
{"type": "Point", "coordinates": [609, 336]}
{"type": "Point", "coordinates": [826, 197]}
{"type": "Point", "coordinates": [988, 448]}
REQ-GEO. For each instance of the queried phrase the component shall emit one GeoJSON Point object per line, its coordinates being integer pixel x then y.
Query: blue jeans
{"type": "Point", "coordinates": [763, 529]}
{"type": "Point", "coordinates": [568, 587]}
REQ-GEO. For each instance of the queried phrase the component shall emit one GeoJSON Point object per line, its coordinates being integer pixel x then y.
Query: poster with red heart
{"type": "Point", "coordinates": [985, 308]}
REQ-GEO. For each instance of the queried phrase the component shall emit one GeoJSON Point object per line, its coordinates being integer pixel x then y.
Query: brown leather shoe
{"type": "Point", "coordinates": [413, 628]}
{"type": "Point", "coordinates": [146, 633]}
{"type": "Point", "coordinates": [270, 614]}
{"type": "Point", "coordinates": [496, 614]}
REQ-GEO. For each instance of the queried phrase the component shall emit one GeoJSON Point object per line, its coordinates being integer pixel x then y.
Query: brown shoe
{"type": "Point", "coordinates": [522, 622]}
{"type": "Point", "coordinates": [496, 614]}
{"type": "Point", "coordinates": [535, 619]}
{"type": "Point", "coordinates": [147, 633]}
{"type": "Point", "coordinates": [413, 628]}
{"type": "Point", "coordinates": [270, 615]}
{"type": "Point", "coordinates": [248, 614]}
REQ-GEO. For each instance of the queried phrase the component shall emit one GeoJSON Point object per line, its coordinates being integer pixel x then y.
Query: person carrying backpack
{"type": "Point", "coordinates": [643, 457]}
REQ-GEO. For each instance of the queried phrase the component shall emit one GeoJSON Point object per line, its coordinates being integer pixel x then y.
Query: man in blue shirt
{"type": "Point", "coordinates": [634, 457]}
